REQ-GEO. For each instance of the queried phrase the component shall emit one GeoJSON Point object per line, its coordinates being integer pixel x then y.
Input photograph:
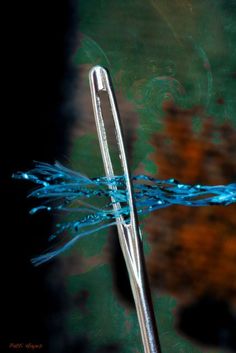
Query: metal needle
{"type": "Point", "coordinates": [128, 231]}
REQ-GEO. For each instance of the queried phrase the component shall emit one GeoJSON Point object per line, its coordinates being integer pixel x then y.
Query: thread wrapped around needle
{"type": "Point", "coordinates": [66, 191]}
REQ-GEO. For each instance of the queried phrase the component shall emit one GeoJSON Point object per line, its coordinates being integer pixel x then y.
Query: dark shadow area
{"type": "Point", "coordinates": [120, 275]}
{"type": "Point", "coordinates": [40, 78]}
{"type": "Point", "coordinates": [210, 322]}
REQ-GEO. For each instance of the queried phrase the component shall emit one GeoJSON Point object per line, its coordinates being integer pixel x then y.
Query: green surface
{"type": "Point", "coordinates": [154, 50]}
{"type": "Point", "coordinates": [107, 320]}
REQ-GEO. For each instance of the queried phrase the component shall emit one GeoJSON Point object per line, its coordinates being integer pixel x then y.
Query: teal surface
{"type": "Point", "coordinates": [154, 50]}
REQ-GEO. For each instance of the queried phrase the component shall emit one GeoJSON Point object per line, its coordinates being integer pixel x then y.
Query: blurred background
{"type": "Point", "coordinates": [173, 68]}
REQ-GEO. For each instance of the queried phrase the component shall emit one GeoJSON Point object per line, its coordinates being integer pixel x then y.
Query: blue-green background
{"type": "Point", "coordinates": [154, 50]}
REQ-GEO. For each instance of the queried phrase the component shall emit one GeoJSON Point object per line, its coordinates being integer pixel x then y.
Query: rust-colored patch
{"type": "Point", "coordinates": [194, 249]}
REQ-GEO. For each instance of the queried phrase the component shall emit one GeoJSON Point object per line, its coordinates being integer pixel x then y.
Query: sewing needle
{"type": "Point", "coordinates": [128, 230]}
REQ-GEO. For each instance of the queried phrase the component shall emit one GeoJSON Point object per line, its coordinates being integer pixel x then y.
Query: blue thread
{"type": "Point", "coordinates": [62, 189]}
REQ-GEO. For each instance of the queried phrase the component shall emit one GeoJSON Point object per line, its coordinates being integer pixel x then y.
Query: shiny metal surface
{"type": "Point", "coordinates": [129, 232]}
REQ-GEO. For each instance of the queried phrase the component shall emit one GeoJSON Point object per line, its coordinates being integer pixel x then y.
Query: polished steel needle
{"type": "Point", "coordinates": [128, 230]}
